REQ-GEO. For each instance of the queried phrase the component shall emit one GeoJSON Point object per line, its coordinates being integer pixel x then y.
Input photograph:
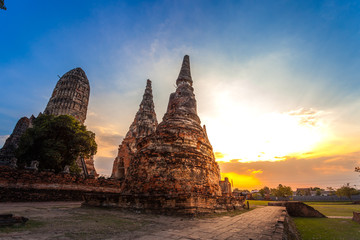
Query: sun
{"type": "Point", "coordinates": [253, 136]}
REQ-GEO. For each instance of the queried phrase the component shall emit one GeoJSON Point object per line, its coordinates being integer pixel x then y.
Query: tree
{"type": "Point", "coordinates": [331, 191]}
{"type": "Point", "coordinates": [265, 190]}
{"type": "Point", "coordinates": [2, 5]}
{"type": "Point", "coordinates": [318, 192]}
{"type": "Point", "coordinates": [56, 141]}
{"type": "Point", "coordinates": [346, 191]}
{"type": "Point", "coordinates": [281, 191]}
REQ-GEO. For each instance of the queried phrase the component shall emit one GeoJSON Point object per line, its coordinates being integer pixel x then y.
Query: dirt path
{"type": "Point", "coordinates": [67, 220]}
{"type": "Point", "coordinates": [341, 217]}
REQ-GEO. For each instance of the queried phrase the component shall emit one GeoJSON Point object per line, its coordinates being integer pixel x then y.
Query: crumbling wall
{"type": "Point", "coordinates": [28, 185]}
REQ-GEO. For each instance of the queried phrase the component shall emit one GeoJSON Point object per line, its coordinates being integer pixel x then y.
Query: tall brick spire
{"type": "Point", "coordinates": [144, 124]}
{"type": "Point", "coordinates": [182, 103]}
{"type": "Point", "coordinates": [185, 74]}
{"type": "Point", "coordinates": [177, 159]}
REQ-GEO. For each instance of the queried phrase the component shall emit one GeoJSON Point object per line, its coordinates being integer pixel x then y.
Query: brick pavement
{"type": "Point", "coordinates": [67, 220]}
{"type": "Point", "coordinates": [260, 224]}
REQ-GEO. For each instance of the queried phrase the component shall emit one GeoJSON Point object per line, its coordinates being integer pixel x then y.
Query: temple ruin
{"type": "Point", "coordinates": [70, 97]}
{"type": "Point", "coordinates": [144, 124]}
{"type": "Point", "coordinates": [171, 169]}
{"type": "Point", "coordinates": [7, 152]}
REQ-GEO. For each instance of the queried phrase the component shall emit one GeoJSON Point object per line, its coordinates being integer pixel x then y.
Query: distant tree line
{"type": "Point", "coordinates": [347, 191]}
{"type": "Point", "coordinates": [281, 191]}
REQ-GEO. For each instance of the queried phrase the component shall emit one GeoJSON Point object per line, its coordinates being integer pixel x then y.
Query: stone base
{"type": "Point", "coordinates": [168, 205]}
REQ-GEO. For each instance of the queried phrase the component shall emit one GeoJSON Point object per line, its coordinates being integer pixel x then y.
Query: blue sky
{"type": "Point", "coordinates": [251, 60]}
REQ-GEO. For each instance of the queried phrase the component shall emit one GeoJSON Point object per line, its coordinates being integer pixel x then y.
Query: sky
{"type": "Point", "coordinates": [276, 82]}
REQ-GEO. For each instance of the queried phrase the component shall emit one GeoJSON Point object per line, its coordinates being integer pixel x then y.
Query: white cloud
{"type": "Point", "coordinates": [3, 139]}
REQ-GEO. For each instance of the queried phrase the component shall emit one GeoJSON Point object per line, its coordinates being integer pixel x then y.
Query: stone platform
{"type": "Point", "coordinates": [180, 205]}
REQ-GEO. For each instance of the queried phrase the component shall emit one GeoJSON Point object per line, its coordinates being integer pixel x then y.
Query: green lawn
{"type": "Point", "coordinates": [257, 202]}
{"type": "Point", "coordinates": [336, 209]}
{"type": "Point", "coordinates": [326, 228]}
{"type": "Point", "coordinates": [326, 208]}
{"type": "Point", "coordinates": [329, 203]}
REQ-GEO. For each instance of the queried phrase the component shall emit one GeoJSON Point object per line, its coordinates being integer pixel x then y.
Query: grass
{"type": "Point", "coordinates": [326, 208]}
{"type": "Point", "coordinates": [258, 202]}
{"type": "Point", "coordinates": [326, 228]}
{"type": "Point", "coordinates": [336, 209]}
{"type": "Point", "coordinates": [329, 203]}
{"type": "Point", "coordinates": [30, 225]}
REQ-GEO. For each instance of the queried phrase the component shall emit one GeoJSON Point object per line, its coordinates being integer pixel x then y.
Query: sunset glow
{"type": "Point", "coordinates": [265, 137]}
{"type": "Point", "coordinates": [276, 83]}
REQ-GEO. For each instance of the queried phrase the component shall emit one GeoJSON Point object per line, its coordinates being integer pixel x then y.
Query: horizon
{"type": "Point", "coordinates": [276, 84]}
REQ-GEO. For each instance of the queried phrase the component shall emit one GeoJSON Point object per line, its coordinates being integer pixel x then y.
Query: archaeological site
{"type": "Point", "coordinates": [70, 97]}
{"type": "Point", "coordinates": [165, 168]}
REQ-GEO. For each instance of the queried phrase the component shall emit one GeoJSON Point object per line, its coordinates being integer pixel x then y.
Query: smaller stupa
{"type": "Point", "coordinates": [144, 124]}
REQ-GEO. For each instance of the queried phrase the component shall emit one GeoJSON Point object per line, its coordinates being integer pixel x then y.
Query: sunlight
{"type": "Point", "coordinates": [254, 136]}
{"type": "Point", "coordinates": [241, 181]}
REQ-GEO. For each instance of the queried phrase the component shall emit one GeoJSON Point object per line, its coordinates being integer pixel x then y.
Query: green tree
{"type": "Point", "coordinates": [281, 191]}
{"type": "Point", "coordinates": [318, 192]}
{"type": "Point", "coordinates": [2, 5]}
{"type": "Point", "coordinates": [265, 190]}
{"type": "Point", "coordinates": [346, 191]}
{"type": "Point", "coordinates": [56, 141]}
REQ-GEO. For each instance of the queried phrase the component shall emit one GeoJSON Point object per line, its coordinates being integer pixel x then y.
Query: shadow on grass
{"type": "Point", "coordinates": [29, 225]}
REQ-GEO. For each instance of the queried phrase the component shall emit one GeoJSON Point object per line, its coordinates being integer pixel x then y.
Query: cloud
{"type": "Point", "coordinates": [219, 155]}
{"type": "Point", "coordinates": [308, 116]}
{"type": "Point", "coordinates": [108, 141]}
{"type": "Point", "coordinates": [3, 139]}
{"type": "Point", "coordinates": [253, 171]}
{"type": "Point", "coordinates": [323, 171]}
{"type": "Point", "coordinates": [103, 165]}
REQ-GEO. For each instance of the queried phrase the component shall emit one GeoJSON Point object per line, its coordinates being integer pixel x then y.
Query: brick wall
{"type": "Point", "coordinates": [27, 185]}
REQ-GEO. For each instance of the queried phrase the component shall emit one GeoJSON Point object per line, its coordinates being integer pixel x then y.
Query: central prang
{"type": "Point", "coordinates": [170, 167]}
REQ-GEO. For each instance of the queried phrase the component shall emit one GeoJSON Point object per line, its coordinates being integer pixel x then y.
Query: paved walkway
{"type": "Point", "coordinates": [67, 220]}
{"type": "Point", "coordinates": [259, 224]}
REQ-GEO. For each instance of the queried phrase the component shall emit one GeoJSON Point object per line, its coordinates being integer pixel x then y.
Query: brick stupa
{"type": "Point", "coordinates": [173, 170]}
{"type": "Point", "coordinates": [178, 159]}
{"type": "Point", "coordinates": [144, 124]}
{"type": "Point", "coordinates": [7, 152]}
{"type": "Point", "coordinates": [70, 95]}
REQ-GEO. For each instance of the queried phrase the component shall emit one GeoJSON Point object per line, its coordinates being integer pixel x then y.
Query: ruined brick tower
{"type": "Point", "coordinates": [175, 168]}
{"type": "Point", "coordinates": [70, 96]}
{"type": "Point", "coordinates": [7, 152]}
{"type": "Point", "coordinates": [172, 170]}
{"type": "Point", "coordinates": [144, 124]}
